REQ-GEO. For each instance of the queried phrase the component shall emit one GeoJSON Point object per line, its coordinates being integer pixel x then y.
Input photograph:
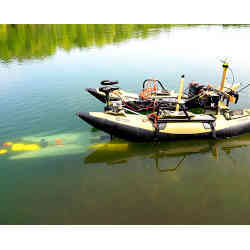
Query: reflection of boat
{"type": "Point", "coordinates": [120, 151]}
{"type": "Point", "coordinates": [165, 124]}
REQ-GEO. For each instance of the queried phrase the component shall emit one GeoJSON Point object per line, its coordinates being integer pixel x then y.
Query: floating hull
{"type": "Point", "coordinates": [97, 94]}
{"type": "Point", "coordinates": [140, 129]}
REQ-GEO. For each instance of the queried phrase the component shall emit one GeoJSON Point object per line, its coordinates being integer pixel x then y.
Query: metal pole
{"type": "Point", "coordinates": [180, 93]}
{"type": "Point", "coordinates": [225, 68]}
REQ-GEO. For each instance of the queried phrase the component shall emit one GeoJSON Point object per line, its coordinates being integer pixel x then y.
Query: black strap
{"type": "Point", "coordinates": [156, 132]}
{"type": "Point", "coordinates": [213, 129]}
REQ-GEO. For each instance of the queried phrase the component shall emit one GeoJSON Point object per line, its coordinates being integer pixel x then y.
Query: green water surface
{"type": "Point", "coordinates": [81, 177]}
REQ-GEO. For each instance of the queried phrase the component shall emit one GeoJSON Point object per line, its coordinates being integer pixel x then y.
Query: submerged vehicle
{"type": "Point", "coordinates": [44, 146]}
{"type": "Point", "coordinates": [166, 124]}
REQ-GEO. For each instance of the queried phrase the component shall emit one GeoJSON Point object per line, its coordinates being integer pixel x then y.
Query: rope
{"type": "Point", "coordinates": [156, 117]}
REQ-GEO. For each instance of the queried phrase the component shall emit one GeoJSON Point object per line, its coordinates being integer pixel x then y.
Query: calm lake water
{"type": "Point", "coordinates": [83, 178]}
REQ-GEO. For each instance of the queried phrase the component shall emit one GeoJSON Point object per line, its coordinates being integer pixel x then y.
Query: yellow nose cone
{"type": "Point", "coordinates": [3, 151]}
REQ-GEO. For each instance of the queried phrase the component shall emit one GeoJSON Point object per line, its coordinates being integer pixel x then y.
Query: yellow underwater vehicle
{"type": "Point", "coordinates": [165, 124]}
{"type": "Point", "coordinates": [44, 145]}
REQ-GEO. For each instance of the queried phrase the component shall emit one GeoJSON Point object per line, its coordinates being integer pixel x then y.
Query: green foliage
{"type": "Point", "coordinates": [36, 41]}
